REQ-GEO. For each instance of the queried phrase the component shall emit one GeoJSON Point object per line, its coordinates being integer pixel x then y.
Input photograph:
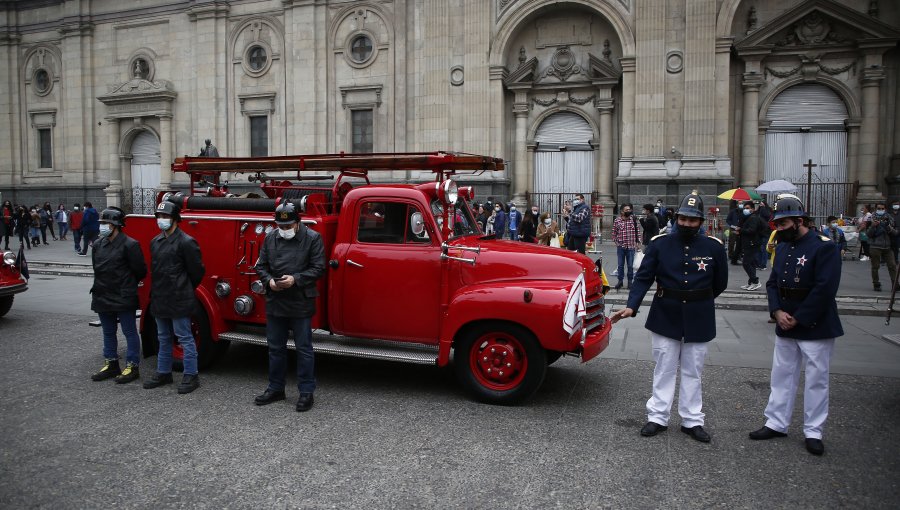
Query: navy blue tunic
{"type": "Point", "coordinates": [698, 264]}
{"type": "Point", "coordinates": [812, 262]}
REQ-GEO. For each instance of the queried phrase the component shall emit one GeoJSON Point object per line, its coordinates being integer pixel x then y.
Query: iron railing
{"type": "Point", "coordinates": [139, 200]}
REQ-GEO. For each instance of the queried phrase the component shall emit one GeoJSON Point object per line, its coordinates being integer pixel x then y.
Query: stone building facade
{"type": "Point", "coordinates": [629, 99]}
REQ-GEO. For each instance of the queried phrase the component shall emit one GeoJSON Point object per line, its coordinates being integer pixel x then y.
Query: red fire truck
{"type": "Point", "coordinates": [11, 281]}
{"type": "Point", "coordinates": [410, 275]}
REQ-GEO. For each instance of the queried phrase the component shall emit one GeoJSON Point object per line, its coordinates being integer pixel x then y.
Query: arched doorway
{"type": "Point", "coordinates": [563, 160]}
{"type": "Point", "coordinates": [145, 160]}
{"type": "Point", "coordinates": [807, 122]}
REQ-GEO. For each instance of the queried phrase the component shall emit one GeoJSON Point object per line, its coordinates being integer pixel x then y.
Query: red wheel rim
{"type": "Point", "coordinates": [498, 361]}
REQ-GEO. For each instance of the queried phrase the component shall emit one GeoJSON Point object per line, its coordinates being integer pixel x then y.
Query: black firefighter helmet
{"type": "Point", "coordinates": [286, 214]}
{"type": "Point", "coordinates": [170, 208]}
{"type": "Point", "coordinates": [113, 216]}
{"type": "Point", "coordinates": [789, 207]}
{"type": "Point", "coordinates": [691, 207]}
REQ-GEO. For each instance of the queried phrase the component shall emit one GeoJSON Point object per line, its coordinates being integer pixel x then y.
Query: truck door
{"type": "Point", "coordinates": [391, 276]}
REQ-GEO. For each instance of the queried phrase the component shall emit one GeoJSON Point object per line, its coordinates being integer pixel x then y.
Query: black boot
{"type": "Point", "coordinates": [156, 380]}
{"type": "Point", "coordinates": [129, 374]}
{"type": "Point", "coordinates": [189, 383]}
{"type": "Point", "coordinates": [110, 369]}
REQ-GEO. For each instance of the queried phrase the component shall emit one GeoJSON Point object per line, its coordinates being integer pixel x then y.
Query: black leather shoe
{"type": "Point", "coordinates": [156, 380]}
{"type": "Point", "coordinates": [268, 397]}
{"type": "Point", "coordinates": [815, 446]}
{"type": "Point", "coordinates": [652, 428]}
{"type": "Point", "coordinates": [697, 433]}
{"type": "Point", "coordinates": [766, 433]}
{"type": "Point", "coordinates": [618, 286]}
{"type": "Point", "coordinates": [189, 383]}
{"type": "Point", "coordinates": [110, 369]}
{"type": "Point", "coordinates": [305, 402]}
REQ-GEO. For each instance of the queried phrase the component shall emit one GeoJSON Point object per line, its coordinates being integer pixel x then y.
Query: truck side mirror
{"type": "Point", "coordinates": [417, 223]}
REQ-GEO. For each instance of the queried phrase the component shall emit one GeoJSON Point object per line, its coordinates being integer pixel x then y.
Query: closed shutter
{"type": "Point", "coordinates": [145, 149]}
{"type": "Point", "coordinates": [564, 129]}
{"type": "Point", "coordinates": [812, 105]}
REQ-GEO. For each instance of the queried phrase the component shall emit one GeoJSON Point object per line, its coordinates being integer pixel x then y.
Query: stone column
{"type": "Point", "coordinates": [868, 136]}
{"type": "Point", "coordinates": [604, 174]}
{"type": "Point", "coordinates": [627, 134]}
{"type": "Point", "coordinates": [112, 145]}
{"type": "Point", "coordinates": [520, 167]}
{"type": "Point", "coordinates": [750, 131]}
{"type": "Point", "coordinates": [852, 149]}
{"type": "Point", "coordinates": [165, 151]}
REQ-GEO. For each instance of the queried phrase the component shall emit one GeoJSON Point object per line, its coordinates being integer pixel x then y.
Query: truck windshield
{"type": "Point", "coordinates": [462, 222]}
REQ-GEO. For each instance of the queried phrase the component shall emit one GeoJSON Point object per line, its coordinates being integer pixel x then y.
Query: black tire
{"type": "Point", "coordinates": [553, 357]}
{"type": "Point", "coordinates": [207, 350]}
{"type": "Point", "coordinates": [6, 304]}
{"type": "Point", "coordinates": [479, 362]}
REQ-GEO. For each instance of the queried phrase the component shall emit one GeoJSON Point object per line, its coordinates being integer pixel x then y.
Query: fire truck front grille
{"type": "Point", "coordinates": [596, 307]}
{"type": "Point", "coordinates": [326, 343]}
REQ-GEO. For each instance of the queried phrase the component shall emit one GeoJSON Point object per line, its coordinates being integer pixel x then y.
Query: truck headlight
{"type": "Point", "coordinates": [9, 258]}
{"type": "Point", "coordinates": [243, 305]}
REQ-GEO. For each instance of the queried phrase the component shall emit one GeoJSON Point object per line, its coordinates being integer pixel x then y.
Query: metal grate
{"type": "Point", "coordinates": [139, 200]}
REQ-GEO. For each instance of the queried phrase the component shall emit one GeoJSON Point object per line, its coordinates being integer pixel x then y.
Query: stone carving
{"type": "Point", "coordinates": [606, 51]}
{"type": "Point", "coordinates": [810, 67]}
{"type": "Point", "coordinates": [781, 74]}
{"type": "Point", "coordinates": [751, 20]}
{"type": "Point", "coordinates": [563, 99]}
{"type": "Point", "coordinates": [210, 151]}
{"type": "Point", "coordinates": [522, 56]}
{"type": "Point", "coordinates": [562, 64]}
{"type": "Point", "coordinates": [140, 69]}
{"type": "Point", "coordinates": [812, 29]}
{"type": "Point", "coordinates": [41, 80]}
{"type": "Point", "coordinates": [873, 8]}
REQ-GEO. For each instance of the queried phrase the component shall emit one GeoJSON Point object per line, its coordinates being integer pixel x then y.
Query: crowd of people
{"type": "Point", "coordinates": [30, 224]}
{"type": "Point", "coordinates": [505, 221]}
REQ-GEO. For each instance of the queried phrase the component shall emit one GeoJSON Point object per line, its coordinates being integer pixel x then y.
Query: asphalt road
{"type": "Point", "coordinates": [386, 435]}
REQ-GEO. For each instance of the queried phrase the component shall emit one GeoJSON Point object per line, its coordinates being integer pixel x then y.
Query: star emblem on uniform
{"type": "Point", "coordinates": [701, 266]}
{"type": "Point", "coordinates": [801, 261]}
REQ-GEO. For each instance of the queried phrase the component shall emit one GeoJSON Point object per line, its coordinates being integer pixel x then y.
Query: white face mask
{"type": "Point", "coordinates": [834, 225]}
{"type": "Point", "coordinates": [497, 209]}
{"type": "Point", "coordinates": [512, 208]}
{"type": "Point", "coordinates": [895, 207]}
{"type": "Point", "coordinates": [105, 229]}
{"type": "Point", "coordinates": [287, 234]}
{"type": "Point", "coordinates": [163, 224]}
{"type": "Point", "coordinates": [576, 202]}
{"type": "Point", "coordinates": [548, 221]}
{"type": "Point", "coordinates": [656, 210]}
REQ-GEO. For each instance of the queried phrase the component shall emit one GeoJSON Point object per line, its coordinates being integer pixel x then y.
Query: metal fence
{"type": "Point", "coordinates": [139, 200]}
{"type": "Point", "coordinates": [553, 202]}
{"type": "Point", "coordinates": [827, 199]}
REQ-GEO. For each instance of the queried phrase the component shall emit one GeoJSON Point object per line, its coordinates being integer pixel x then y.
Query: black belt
{"type": "Point", "coordinates": [685, 295]}
{"type": "Point", "coordinates": [793, 294]}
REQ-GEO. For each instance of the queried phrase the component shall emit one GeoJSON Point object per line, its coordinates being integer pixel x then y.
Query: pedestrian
{"type": "Point", "coordinates": [61, 216]}
{"type": "Point", "coordinates": [176, 270]}
{"type": "Point", "coordinates": [90, 227]}
{"type": "Point", "coordinates": [528, 230]}
{"type": "Point", "coordinates": [801, 291]}
{"type": "Point", "coordinates": [513, 222]}
{"type": "Point", "coordinates": [7, 226]}
{"type": "Point", "coordinates": [118, 268]}
{"type": "Point", "coordinates": [836, 234]}
{"type": "Point", "coordinates": [751, 231]}
{"type": "Point", "coordinates": [649, 225]}
{"type": "Point", "coordinates": [48, 214]}
{"type": "Point", "coordinates": [489, 224]}
{"type": "Point", "coordinates": [499, 221]}
{"type": "Point", "coordinates": [862, 223]}
{"type": "Point", "coordinates": [626, 237]}
{"type": "Point", "coordinates": [547, 231]}
{"type": "Point", "coordinates": [895, 239]}
{"type": "Point", "coordinates": [481, 218]}
{"type": "Point", "coordinates": [690, 270]}
{"type": "Point", "coordinates": [662, 212]}
{"type": "Point", "coordinates": [291, 261]}
{"type": "Point", "coordinates": [566, 212]}
{"type": "Point", "coordinates": [734, 219]}
{"type": "Point", "coordinates": [765, 214]}
{"type": "Point", "coordinates": [75, 225]}
{"type": "Point", "coordinates": [880, 231]}
{"type": "Point", "coordinates": [22, 226]}
{"type": "Point", "coordinates": [35, 230]}
{"type": "Point", "coordinates": [579, 226]}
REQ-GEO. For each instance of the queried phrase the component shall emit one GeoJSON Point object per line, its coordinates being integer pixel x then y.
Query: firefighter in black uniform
{"type": "Point", "coordinates": [801, 290]}
{"type": "Point", "coordinates": [291, 261]}
{"type": "Point", "coordinates": [690, 270]}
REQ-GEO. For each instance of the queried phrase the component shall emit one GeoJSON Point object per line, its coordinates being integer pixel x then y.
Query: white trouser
{"type": "Point", "coordinates": [668, 352]}
{"type": "Point", "coordinates": [786, 364]}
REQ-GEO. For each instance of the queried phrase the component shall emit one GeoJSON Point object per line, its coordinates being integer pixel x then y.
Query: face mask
{"type": "Point", "coordinates": [534, 212]}
{"type": "Point", "coordinates": [75, 208]}
{"type": "Point", "coordinates": [105, 229]}
{"type": "Point", "coordinates": [834, 225]}
{"type": "Point", "coordinates": [880, 212]}
{"type": "Point", "coordinates": [576, 202]}
{"type": "Point", "coordinates": [512, 208]}
{"type": "Point", "coordinates": [497, 209]}
{"type": "Point", "coordinates": [656, 210]}
{"type": "Point", "coordinates": [548, 221]}
{"type": "Point", "coordinates": [787, 235]}
{"type": "Point", "coordinates": [687, 233]}
{"type": "Point", "coordinates": [163, 224]}
{"type": "Point", "coordinates": [286, 234]}
{"type": "Point", "coordinates": [747, 212]}
{"type": "Point", "coordinates": [895, 207]}
{"type": "Point", "coordinates": [626, 213]}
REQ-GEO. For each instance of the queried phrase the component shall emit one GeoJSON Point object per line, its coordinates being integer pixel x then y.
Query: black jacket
{"type": "Point", "coordinates": [118, 267]}
{"type": "Point", "coordinates": [176, 269]}
{"type": "Point", "coordinates": [650, 226]}
{"type": "Point", "coordinates": [752, 229]}
{"type": "Point", "coordinates": [302, 257]}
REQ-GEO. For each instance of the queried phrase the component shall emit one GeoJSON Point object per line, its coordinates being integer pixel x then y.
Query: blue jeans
{"type": "Point", "coordinates": [63, 229]}
{"type": "Point", "coordinates": [180, 328]}
{"type": "Point", "coordinates": [89, 238]}
{"type": "Point", "coordinates": [514, 234]}
{"type": "Point", "coordinates": [76, 235]}
{"type": "Point", "coordinates": [276, 336]}
{"type": "Point", "coordinates": [626, 256]}
{"type": "Point", "coordinates": [108, 322]}
{"type": "Point", "coordinates": [763, 256]}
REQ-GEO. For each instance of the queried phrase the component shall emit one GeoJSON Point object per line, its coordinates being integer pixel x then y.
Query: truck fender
{"type": "Point", "coordinates": [536, 305]}
{"type": "Point", "coordinates": [216, 323]}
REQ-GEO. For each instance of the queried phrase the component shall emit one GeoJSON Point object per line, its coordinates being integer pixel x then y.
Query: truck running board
{"type": "Point", "coordinates": [326, 343]}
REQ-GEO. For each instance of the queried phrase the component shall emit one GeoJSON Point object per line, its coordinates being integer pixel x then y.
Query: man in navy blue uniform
{"type": "Point", "coordinates": [801, 290]}
{"type": "Point", "coordinates": [690, 270]}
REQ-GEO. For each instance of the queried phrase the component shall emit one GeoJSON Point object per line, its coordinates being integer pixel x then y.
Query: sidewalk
{"type": "Point", "coordinates": [855, 295]}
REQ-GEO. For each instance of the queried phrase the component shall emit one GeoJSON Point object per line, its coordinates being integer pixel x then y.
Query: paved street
{"type": "Point", "coordinates": [391, 435]}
